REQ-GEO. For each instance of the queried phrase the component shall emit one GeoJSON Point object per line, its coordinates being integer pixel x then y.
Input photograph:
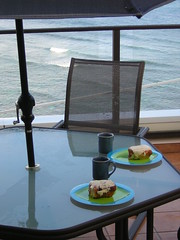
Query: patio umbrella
{"type": "Point", "coordinates": [20, 9]}
{"type": "Point", "coordinates": [34, 9]}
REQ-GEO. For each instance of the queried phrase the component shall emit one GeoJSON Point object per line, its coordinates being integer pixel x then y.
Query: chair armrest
{"type": "Point", "coordinates": [60, 124]}
{"type": "Point", "coordinates": [142, 131]}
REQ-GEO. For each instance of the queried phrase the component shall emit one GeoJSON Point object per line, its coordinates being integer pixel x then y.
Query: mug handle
{"type": "Point", "coordinates": [114, 168]}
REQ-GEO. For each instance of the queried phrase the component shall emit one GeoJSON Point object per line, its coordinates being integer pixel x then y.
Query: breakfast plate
{"type": "Point", "coordinates": [120, 156]}
{"type": "Point", "coordinates": [123, 194]}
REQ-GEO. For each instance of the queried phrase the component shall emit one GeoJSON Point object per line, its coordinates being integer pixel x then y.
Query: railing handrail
{"type": "Point", "coordinates": [62, 101]}
{"type": "Point", "coordinates": [95, 28]}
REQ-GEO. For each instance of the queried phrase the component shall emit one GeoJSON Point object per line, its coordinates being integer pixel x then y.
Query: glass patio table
{"type": "Point", "coordinates": [38, 205]}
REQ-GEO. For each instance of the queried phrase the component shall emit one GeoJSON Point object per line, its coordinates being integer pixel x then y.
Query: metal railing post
{"type": "Point", "coordinates": [116, 77]}
{"type": "Point", "coordinates": [116, 45]}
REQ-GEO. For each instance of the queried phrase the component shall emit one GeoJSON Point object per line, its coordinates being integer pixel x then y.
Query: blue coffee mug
{"type": "Point", "coordinates": [101, 167]}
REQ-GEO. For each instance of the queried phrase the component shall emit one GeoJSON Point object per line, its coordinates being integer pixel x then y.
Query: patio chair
{"type": "Point", "coordinates": [105, 96]}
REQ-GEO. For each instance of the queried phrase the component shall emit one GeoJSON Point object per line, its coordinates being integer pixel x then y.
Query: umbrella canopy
{"type": "Point", "coordinates": [20, 9]}
{"type": "Point", "coordinates": [33, 9]}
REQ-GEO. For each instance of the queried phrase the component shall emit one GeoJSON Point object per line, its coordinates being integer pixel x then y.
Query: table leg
{"type": "Point", "coordinates": [100, 234]}
{"type": "Point", "coordinates": [150, 220]}
{"type": "Point", "coordinates": [121, 230]}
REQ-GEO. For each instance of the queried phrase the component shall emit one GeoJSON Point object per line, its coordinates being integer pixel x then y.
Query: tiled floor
{"type": "Point", "coordinates": [166, 217]}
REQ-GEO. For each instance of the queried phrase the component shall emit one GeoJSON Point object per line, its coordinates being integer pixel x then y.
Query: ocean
{"type": "Point", "coordinates": [48, 57]}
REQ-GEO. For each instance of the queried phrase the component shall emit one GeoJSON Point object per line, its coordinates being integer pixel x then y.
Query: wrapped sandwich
{"type": "Point", "coordinates": [101, 188]}
{"type": "Point", "coordinates": [139, 152]}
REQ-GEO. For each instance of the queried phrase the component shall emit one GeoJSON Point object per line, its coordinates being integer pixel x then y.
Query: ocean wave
{"type": "Point", "coordinates": [59, 64]}
{"type": "Point", "coordinates": [58, 50]}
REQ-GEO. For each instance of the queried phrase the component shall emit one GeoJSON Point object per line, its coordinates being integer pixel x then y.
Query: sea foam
{"type": "Point", "coordinates": [58, 50]}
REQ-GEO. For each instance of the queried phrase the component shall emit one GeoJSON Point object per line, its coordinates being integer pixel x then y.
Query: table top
{"type": "Point", "coordinates": [38, 202]}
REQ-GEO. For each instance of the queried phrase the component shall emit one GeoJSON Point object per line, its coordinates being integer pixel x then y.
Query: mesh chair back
{"type": "Point", "coordinates": [104, 95]}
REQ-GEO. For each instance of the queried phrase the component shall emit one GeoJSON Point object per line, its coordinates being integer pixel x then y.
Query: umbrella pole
{"type": "Point", "coordinates": [26, 100]}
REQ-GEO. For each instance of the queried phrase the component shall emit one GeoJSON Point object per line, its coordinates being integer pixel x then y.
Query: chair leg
{"type": "Point", "coordinates": [137, 223]}
{"type": "Point", "coordinates": [100, 234]}
{"type": "Point", "coordinates": [150, 221]}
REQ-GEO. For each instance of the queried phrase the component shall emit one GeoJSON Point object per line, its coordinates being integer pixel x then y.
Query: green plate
{"type": "Point", "coordinates": [122, 195]}
{"type": "Point", "coordinates": [121, 156]}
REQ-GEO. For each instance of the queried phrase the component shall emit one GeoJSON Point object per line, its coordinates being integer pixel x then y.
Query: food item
{"type": "Point", "coordinates": [101, 188]}
{"type": "Point", "coordinates": [139, 152]}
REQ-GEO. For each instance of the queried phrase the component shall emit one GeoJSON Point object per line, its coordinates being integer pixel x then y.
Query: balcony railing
{"type": "Point", "coordinates": [114, 29]}
{"type": "Point", "coordinates": [151, 118]}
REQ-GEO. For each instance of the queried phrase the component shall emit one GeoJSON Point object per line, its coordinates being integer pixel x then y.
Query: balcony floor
{"type": "Point", "coordinates": [166, 217]}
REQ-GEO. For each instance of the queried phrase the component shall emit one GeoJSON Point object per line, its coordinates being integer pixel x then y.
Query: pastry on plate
{"type": "Point", "coordinates": [139, 152]}
{"type": "Point", "coordinates": [101, 188]}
